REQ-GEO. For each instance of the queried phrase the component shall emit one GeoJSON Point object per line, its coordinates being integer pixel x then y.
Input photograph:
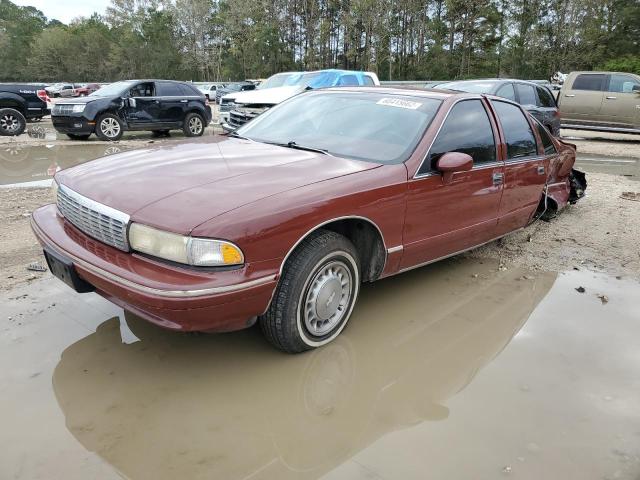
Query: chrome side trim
{"type": "Point", "coordinates": [150, 290]}
{"type": "Point", "coordinates": [395, 249]}
{"type": "Point", "coordinates": [346, 217]}
{"type": "Point", "coordinates": [457, 253]}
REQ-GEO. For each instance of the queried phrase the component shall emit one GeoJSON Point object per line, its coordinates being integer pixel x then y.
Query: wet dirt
{"type": "Point", "coordinates": [457, 370]}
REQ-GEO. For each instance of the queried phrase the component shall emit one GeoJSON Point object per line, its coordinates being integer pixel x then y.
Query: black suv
{"type": "Point", "coordinates": [19, 103]}
{"type": "Point", "coordinates": [154, 105]}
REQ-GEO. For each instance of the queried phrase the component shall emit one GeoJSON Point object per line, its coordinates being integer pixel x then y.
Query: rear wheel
{"type": "Point", "coordinates": [316, 294]}
{"type": "Point", "coordinates": [12, 122]}
{"type": "Point", "coordinates": [76, 136]}
{"type": "Point", "coordinates": [193, 125]}
{"type": "Point", "coordinates": [109, 127]}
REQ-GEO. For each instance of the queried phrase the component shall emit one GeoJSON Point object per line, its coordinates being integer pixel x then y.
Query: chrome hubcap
{"type": "Point", "coordinates": [9, 123]}
{"type": "Point", "coordinates": [195, 125]}
{"type": "Point", "coordinates": [327, 298]}
{"type": "Point", "coordinates": [110, 127]}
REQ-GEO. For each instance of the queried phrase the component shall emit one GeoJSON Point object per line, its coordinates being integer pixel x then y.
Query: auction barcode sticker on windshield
{"type": "Point", "coordinates": [398, 102]}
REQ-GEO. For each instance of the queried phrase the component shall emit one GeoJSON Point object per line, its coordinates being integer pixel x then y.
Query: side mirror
{"type": "Point", "coordinates": [636, 88]}
{"type": "Point", "coordinates": [452, 162]}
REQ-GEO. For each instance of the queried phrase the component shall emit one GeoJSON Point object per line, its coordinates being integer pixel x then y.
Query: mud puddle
{"type": "Point", "coordinates": [34, 165]}
{"type": "Point", "coordinates": [624, 166]}
{"type": "Point", "coordinates": [457, 370]}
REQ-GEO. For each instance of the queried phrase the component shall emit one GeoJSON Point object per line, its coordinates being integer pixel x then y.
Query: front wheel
{"type": "Point", "coordinates": [109, 127]}
{"type": "Point", "coordinates": [12, 122]}
{"type": "Point", "coordinates": [193, 125]}
{"type": "Point", "coordinates": [316, 294]}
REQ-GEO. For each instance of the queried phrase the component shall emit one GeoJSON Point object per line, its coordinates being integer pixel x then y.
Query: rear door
{"type": "Point", "coordinates": [525, 168]}
{"type": "Point", "coordinates": [621, 104]}
{"type": "Point", "coordinates": [445, 218]}
{"type": "Point", "coordinates": [582, 101]}
{"type": "Point", "coordinates": [172, 103]}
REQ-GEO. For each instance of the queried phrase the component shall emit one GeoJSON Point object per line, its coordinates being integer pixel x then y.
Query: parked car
{"type": "Point", "coordinates": [155, 105]}
{"type": "Point", "coordinates": [226, 102]}
{"type": "Point", "coordinates": [86, 89]}
{"type": "Point", "coordinates": [537, 99]}
{"type": "Point", "coordinates": [283, 220]}
{"type": "Point", "coordinates": [233, 87]}
{"type": "Point", "coordinates": [20, 103]}
{"type": "Point", "coordinates": [54, 89]}
{"type": "Point", "coordinates": [209, 89]}
{"type": "Point", "coordinates": [65, 90]}
{"type": "Point", "coordinates": [248, 105]}
{"type": "Point", "coordinates": [603, 101]}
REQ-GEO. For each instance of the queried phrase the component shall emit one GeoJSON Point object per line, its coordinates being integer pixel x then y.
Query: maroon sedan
{"type": "Point", "coordinates": [281, 222]}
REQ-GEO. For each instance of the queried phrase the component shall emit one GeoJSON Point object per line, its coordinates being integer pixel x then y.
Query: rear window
{"type": "Point", "coordinates": [526, 93]}
{"type": "Point", "coordinates": [471, 87]}
{"type": "Point", "coordinates": [546, 99]}
{"type": "Point", "coordinates": [589, 81]}
{"type": "Point", "coordinates": [189, 91]}
{"type": "Point", "coordinates": [547, 143]}
{"type": "Point", "coordinates": [368, 80]}
{"type": "Point", "coordinates": [520, 140]}
{"type": "Point", "coordinates": [507, 91]}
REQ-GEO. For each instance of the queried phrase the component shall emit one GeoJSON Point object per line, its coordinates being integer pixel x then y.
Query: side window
{"type": "Point", "coordinates": [518, 135]}
{"type": "Point", "coordinates": [547, 143]}
{"type": "Point", "coordinates": [348, 80]}
{"type": "Point", "coordinates": [526, 93]}
{"type": "Point", "coordinates": [467, 129]}
{"type": "Point", "coordinates": [142, 90]}
{"type": "Point", "coordinates": [507, 91]}
{"type": "Point", "coordinates": [622, 83]}
{"type": "Point", "coordinates": [589, 81]}
{"type": "Point", "coordinates": [546, 100]}
{"type": "Point", "coordinates": [367, 80]}
{"type": "Point", "coordinates": [189, 91]}
{"type": "Point", "coordinates": [169, 89]}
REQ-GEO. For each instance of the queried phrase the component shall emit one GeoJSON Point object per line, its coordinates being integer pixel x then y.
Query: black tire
{"type": "Point", "coordinates": [159, 133]}
{"type": "Point", "coordinates": [12, 122]}
{"type": "Point", "coordinates": [194, 125]}
{"type": "Point", "coordinates": [106, 128]}
{"type": "Point", "coordinates": [76, 136]}
{"type": "Point", "coordinates": [285, 325]}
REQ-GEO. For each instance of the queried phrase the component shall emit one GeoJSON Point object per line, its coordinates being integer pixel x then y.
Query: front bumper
{"type": "Point", "coordinates": [172, 297]}
{"type": "Point", "coordinates": [69, 124]}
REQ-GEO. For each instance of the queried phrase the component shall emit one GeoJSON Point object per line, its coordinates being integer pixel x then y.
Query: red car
{"type": "Point", "coordinates": [84, 90]}
{"type": "Point", "coordinates": [282, 221]}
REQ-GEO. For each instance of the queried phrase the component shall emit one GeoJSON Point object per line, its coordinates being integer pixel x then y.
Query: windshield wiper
{"type": "Point", "coordinates": [297, 146]}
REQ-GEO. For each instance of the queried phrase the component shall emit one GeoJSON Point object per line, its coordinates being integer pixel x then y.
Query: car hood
{"type": "Point", "coordinates": [178, 187]}
{"type": "Point", "coordinates": [77, 100]}
{"type": "Point", "coordinates": [269, 96]}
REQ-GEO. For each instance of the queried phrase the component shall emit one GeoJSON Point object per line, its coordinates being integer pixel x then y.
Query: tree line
{"type": "Point", "coordinates": [398, 39]}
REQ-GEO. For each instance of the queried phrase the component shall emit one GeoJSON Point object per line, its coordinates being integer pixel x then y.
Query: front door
{"type": "Point", "coordinates": [444, 218]}
{"type": "Point", "coordinates": [143, 107]}
{"type": "Point", "coordinates": [525, 168]}
{"type": "Point", "coordinates": [581, 102]}
{"type": "Point", "coordinates": [621, 104]}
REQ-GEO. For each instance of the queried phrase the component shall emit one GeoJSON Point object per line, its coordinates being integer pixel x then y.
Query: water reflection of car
{"type": "Point", "coordinates": [284, 220]}
{"type": "Point", "coordinates": [248, 105]}
{"type": "Point", "coordinates": [396, 367]}
{"type": "Point", "coordinates": [153, 105]}
{"type": "Point", "coordinates": [537, 99]}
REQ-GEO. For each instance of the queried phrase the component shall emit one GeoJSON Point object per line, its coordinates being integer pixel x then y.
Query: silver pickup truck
{"type": "Point", "coordinates": [603, 101]}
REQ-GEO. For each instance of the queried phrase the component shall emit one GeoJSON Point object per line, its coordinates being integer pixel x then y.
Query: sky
{"type": "Point", "coordinates": [66, 10]}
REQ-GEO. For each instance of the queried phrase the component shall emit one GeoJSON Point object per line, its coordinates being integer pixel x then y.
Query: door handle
{"type": "Point", "coordinates": [540, 169]}
{"type": "Point", "coordinates": [611, 98]}
{"type": "Point", "coordinates": [569, 95]}
{"type": "Point", "coordinates": [184, 101]}
{"type": "Point", "coordinates": [498, 178]}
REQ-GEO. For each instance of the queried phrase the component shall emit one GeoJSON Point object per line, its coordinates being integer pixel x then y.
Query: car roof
{"type": "Point", "coordinates": [415, 92]}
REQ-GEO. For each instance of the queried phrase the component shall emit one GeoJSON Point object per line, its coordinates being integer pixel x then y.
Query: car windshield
{"type": "Point", "coordinates": [277, 80]}
{"type": "Point", "coordinates": [375, 127]}
{"type": "Point", "coordinates": [471, 87]}
{"type": "Point", "coordinates": [114, 89]}
{"type": "Point", "coordinates": [302, 79]}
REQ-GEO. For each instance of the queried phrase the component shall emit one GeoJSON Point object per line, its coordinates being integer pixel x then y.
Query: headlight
{"type": "Point", "coordinates": [201, 252]}
{"type": "Point", "coordinates": [78, 108]}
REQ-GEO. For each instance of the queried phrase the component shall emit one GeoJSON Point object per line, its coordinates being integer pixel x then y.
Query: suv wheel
{"type": "Point", "coordinates": [12, 122]}
{"type": "Point", "coordinates": [109, 127]}
{"type": "Point", "coordinates": [193, 125]}
{"type": "Point", "coordinates": [315, 295]}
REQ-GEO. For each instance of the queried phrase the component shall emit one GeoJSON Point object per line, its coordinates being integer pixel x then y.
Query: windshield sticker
{"type": "Point", "coordinates": [398, 102]}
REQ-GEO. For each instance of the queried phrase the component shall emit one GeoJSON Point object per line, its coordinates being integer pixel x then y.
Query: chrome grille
{"type": "Point", "coordinates": [227, 105]}
{"type": "Point", "coordinates": [95, 219]}
{"type": "Point", "coordinates": [62, 109]}
{"type": "Point", "coordinates": [237, 118]}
